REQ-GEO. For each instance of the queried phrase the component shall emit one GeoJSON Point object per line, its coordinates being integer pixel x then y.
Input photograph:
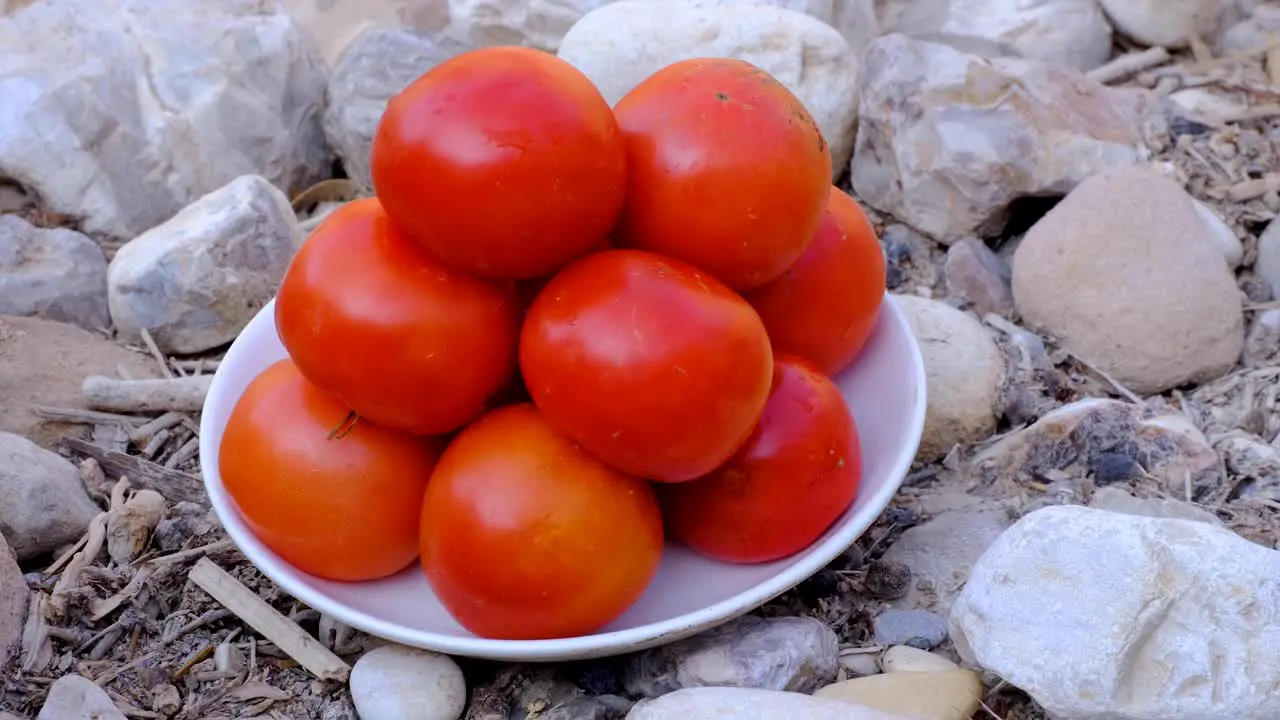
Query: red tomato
{"type": "Point", "coordinates": [797, 474]}
{"type": "Point", "coordinates": [525, 536]}
{"type": "Point", "coordinates": [503, 161]}
{"type": "Point", "coordinates": [331, 497]}
{"type": "Point", "coordinates": [651, 364]}
{"type": "Point", "coordinates": [405, 341]}
{"type": "Point", "coordinates": [825, 306]}
{"type": "Point", "coordinates": [726, 170]}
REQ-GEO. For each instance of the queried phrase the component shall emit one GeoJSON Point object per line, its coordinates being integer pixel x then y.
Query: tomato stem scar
{"type": "Point", "coordinates": [344, 428]}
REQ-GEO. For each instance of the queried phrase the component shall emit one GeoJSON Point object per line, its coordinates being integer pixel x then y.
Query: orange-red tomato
{"type": "Point", "coordinates": [825, 306]}
{"type": "Point", "coordinates": [502, 161]}
{"type": "Point", "coordinates": [333, 498]}
{"type": "Point", "coordinates": [726, 170]}
{"type": "Point", "coordinates": [402, 339]}
{"type": "Point", "coordinates": [797, 474]}
{"type": "Point", "coordinates": [652, 365]}
{"type": "Point", "coordinates": [526, 536]}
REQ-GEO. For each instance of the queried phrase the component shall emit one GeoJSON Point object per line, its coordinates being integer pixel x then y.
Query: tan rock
{"type": "Point", "coordinates": [735, 703]}
{"type": "Point", "coordinates": [1127, 275]}
{"type": "Point", "coordinates": [904, 658]}
{"type": "Point", "coordinates": [945, 695]}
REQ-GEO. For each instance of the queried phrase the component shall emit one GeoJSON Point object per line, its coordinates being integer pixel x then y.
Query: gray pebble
{"type": "Point", "coordinates": [918, 628]}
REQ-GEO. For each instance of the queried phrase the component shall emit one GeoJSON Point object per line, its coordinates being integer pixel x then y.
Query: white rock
{"type": "Point", "coordinates": [1222, 234]}
{"type": "Point", "coordinates": [1254, 32]}
{"type": "Point", "coordinates": [335, 24]}
{"type": "Point", "coordinates": [723, 703]}
{"type": "Point", "coordinates": [965, 371]}
{"type": "Point", "coordinates": [1117, 500]}
{"type": "Point", "coordinates": [394, 682]}
{"type": "Point", "coordinates": [624, 42]}
{"type": "Point", "coordinates": [1268, 263]}
{"type": "Point", "coordinates": [946, 141]}
{"type": "Point", "coordinates": [1066, 32]}
{"type": "Point", "coordinates": [378, 64]}
{"type": "Point", "coordinates": [1135, 618]}
{"type": "Point", "coordinates": [1127, 275]}
{"type": "Point", "coordinates": [43, 505]}
{"type": "Point", "coordinates": [904, 658]}
{"type": "Point", "coordinates": [54, 273]}
{"type": "Point", "coordinates": [860, 664]}
{"type": "Point", "coordinates": [121, 112]}
{"type": "Point", "coordinates": [536, 23]}
{"type": "Point", "coordinates": [855, 19]}
{"type": "Point", "coordinates": [1161, 22]}
{"type": "Point", "coordinates": [74, 697]}
{"type": "Point", "coordinates": [940, 552]}
{"type": "Point", "coordinates": [196, 281]}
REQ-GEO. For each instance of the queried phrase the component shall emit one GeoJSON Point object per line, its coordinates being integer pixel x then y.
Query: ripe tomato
{"type": "Point", "coordinates": [824, 307]}
{"type": "Point", "coordinates": [797, 474]}
{"type": "Point", "coordinates": [652, 365]}
{"type": "Point", "coordinates": [526, 536]}
{"type": "Point", "coordinates": [333, 498]}
{"type": "Point", "coordinates": [503, 161]}
{"type": "Point", "coordinates": [405, 341]}
{"type": "Point", "coordinates": [726, 170]}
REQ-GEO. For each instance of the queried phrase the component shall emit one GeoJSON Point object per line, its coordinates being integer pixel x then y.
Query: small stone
{"type": "Point", "coordinates": [1137, 288]}
{"type": "Point", "coordinates": [940, 552]}
{"type": "Point", "coordinates": [394, 682]}
{"type": "Point", "coordinates": [1253, 32]}
{"type": "Point", "coordinates": [917, 628]}
{"type": "Point", "coordinates": [908, 258]}
{"type": "Point", "coordinates": [965, 371]}
{"type": "Point", "coordinates": [1114, 467]}
{"type": "Point", "coordinates": [1159, 22]}
{"type": "Point", "coordinates": [904, 658]}
{"type": "Point", "coordinates": [860, 664]}
{"type": "Point", "coordinates": [1262, 344]}
{"type": "Point", "coordinates": [797, 654]}
{"type": "Point", "coordinates": [43, 504]}
{"type": "Point", "coordinates": [886, 579]}
{"type": "Point", "coordinates": [1117, 500]}
{"type": "Point", "coordinates": [723, 703]}
{"type": "Point", "coordinates": [943, 695]}
{"type": "Point", "coordinates": [166, 700]}
{"type": "Point", "coordinates": [14, 600]}
{"type": "Point", "coordinates": [1256, 463]}
{"type": "Point", "coordinates": [129, 528]}
{"type": "Point", "coordinates": [55, 273]}
{"type": "Point", "coordinates": [1268, 263]}
{"type": "Point", "coordinates": [978, 277]}
{"type": "Point", "coordinates": [1136, 618]}
{"type": "Point", "coordinates": [195, 281]}
{"type": "Point", "coordinates": [73, 697]}
{"type": "Point", "coordinates": [1222, 234]}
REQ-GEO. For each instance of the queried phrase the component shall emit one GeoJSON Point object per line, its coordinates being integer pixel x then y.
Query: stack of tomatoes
{"type": "Point", "coordinates": [561, 332]}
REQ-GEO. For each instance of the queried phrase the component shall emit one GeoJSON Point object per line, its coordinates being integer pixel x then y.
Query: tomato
{"type": "Point", "coordinates": [825, 306]}
{"type": "Point", "coordinates": [503, 161]}
{"type": "Point", "coordinates": [726, 170]}
{"type": "Point", "coordinates": [333, 498]}
{"type": "Point", "coordinates": [652, 365]}
{"type": "Point", "coordinates": [526, 536]}
{"type": "Point", "coordinates": [797, 474]}
{"type": "Point", "coordinates": [402, 339]}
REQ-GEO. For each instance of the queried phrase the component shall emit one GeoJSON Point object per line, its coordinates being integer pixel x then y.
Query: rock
{"type": "Point", "coordinates": [149, 104]}
{"type": "Point", "coordinates": [860, 664]}
{"type": "Point", "coordinates": [943, 695]}
{"type": "Point", "coordinates": [965, 371]}
{"type": "Point", "coordinates": [978, 277]}
{"type": "Point", "coordinates": [1253, 33]}
{"type": "Point", "coordinates": [946, 141]}
{"type": "Point", "coordinates": [55, 273]}
{"type": "Point", "coordinates": [1136, 618]}
{"type": "Point", "coordinates": [185, 521]}
{"type": "Point", "coordinates": [1256, 463]}
{"type": "Point", "coordinates": [796, 654]}
{"type": "Point", "coordinates": [43, 504]}
{"type": "Point", "coordinates": [1262, 344]}
{"type": "Point", "coordinates": [621, 43]}
{"type": "Point", "coordinates": [1137, 288]}
{"type": "Point", "coordinates": [721, 703]}
{"type": "Point", "coordinates": [334, 24]}
{"type": "Point", "coordinates": [940, 552]}
{"type": "Point", "coordinates": [1159, 22]}
{"type": "Point", "coordinates": [909, 259]}
{"type": "Point", "coordinates": [1268, 263]}
{"type": "Point", "coordinates": [379, 63]}
{"type": "Point", "coordinates": [394, 682]}
{"type": "Point", "coordinates": [44, 363]}
{"type": "Point", "coordinates": [196, 281]}
{"type": "Point", "coordinates": [166, 700]}
{"type": "Point", "coordinates": [14, 599]}
{"type": "Point", "coordinates": [1222, 234]}
{"type": "Point", "coordinates": [1074, 33]}
{"type": "Point", "coordinates": [535, 23]}
{"type": "Point", "coordinates": [904, 658]}
{"type": "Point", "coordinates": [1084, 436]}
{"type": "Point", "coordinates": [73, 697]}
{"type": "Point", "coordinates": [854, 19]}
{"type": "Point", "coordinates": [917, 628]}
{"type": "Point", "coordinates": [129, 528]}
{"type": "Point", "coordinates": [1117, 500]}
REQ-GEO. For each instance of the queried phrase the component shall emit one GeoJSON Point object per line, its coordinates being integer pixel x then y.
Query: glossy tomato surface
{"type": "Point", "coordinates": [652, 365]}
{"type": "Point", "coordinates": [526, 536]}
{"type": "Point", "coordinates": [797, 474]}
{"type": "Point", "coordinates": [825, 306]}
{"type": "Point", "coordinates": [503, 161]}
{"type": "Point", "coordinates": [727, 170]}
{"type": "Point", "coordinates": [404, 340]}
{"type": "Point", "coordinates": [334, 498]}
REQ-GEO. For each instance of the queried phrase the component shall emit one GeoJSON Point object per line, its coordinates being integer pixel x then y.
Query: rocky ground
{"type": "Point", "coordinates": [1075, 198]}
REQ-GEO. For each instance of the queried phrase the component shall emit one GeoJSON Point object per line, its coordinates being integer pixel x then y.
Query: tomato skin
{"type": "Point", "coordinates": [726, 170]}
{"type": "Point", "coordinates": [405, 341]}
{"type": "Point", "coordinates": [652, 365]}
{"type": "Point", "coordinates": [504, 161]}
{"type": "Point", "coordinates": [826, 304]}
{"type": "Point", "coordinates": [341, 508]}
{"type": "Point", "coordinates": [797, 474]}
{"type": "Point", "coordinates": [526, 536]}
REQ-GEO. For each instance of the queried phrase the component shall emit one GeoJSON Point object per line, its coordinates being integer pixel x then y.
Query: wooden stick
{"type": "Point", "coordinates": [268, 621]}
{"type": "Point", "coordinates": [175, 485]}
{"type": "Point", "coordinates": [155, 353]}
{"type": "Point", "coordinates": [185, 394]}
{"type": "Point", "coordinates": [86, 417]}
